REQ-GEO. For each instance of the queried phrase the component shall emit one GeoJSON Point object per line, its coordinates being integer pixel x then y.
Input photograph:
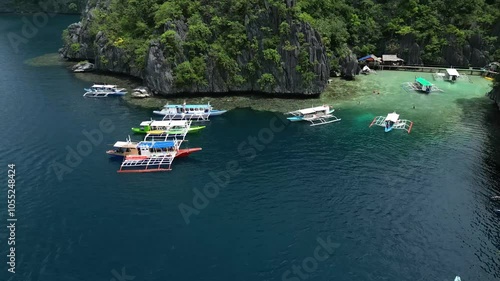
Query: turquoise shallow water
{"type": "Point", "coordinates": [397, 206]}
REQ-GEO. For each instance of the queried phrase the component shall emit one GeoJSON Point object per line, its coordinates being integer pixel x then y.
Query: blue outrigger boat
{"type": "Point", "coordinates": [392, 121]}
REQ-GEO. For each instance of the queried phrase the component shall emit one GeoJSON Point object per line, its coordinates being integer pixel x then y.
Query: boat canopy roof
{"type": "Point", "coordinates": [452, 72]}
{"type": "Point", "coordinates": [394, 117]}
{"type": "Point", "coordinates": [369, 58]}
{"type": "Point", "coordinates": [312, 109]}
{"type": "Point", "coordinates": [187, 106]}
{"type": "Point", "coordinates": [104, 86]}
{"type": "Point", "coordinates": [423, 81]}
{"type": "Point", "coordinates": [157, 144]}
{"type": "Point", "coordinates": [125, 144]}
{"type": "Point", "coordinates": [146, 123]}
{"type": "Point", "coordinates": [169, 123]}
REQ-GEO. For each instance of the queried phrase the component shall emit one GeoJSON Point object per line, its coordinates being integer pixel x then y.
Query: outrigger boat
{"type": "Point", "coordinates": [102, 91]}
{"type": "Point", "coordinates": [153, 157]}
{"type": "Point", "coordinates": [392, 121]}
{"type": "Point", "coordinates": [170, 127]}
{"type": "Point", "coordinates": [451, 75]}
{"type": "Point", "coordinates": [366, 70]}
{"type": "Point", "coordinates": [128, 147]}
{"type": "Point", "coordinates": [188, 111]}
{"type": "Point", "coordinates": [318, 115]}
{"type": "Point", "coordinates": [421, 85]}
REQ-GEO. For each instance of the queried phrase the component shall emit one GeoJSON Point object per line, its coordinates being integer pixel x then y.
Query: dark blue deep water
{"type": "Point", "coordinates": [393, 206]}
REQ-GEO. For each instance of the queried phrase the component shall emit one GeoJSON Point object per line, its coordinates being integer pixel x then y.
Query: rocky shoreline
{"type": "Point", "coordinates": [494, 95]}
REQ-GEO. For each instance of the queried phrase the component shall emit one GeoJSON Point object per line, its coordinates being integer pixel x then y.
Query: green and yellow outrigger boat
{"type": "Point", "coordinates": [173, 127]}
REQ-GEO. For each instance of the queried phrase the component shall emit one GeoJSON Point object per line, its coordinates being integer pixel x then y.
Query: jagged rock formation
{"type": "Point", "coordinates": [349, 66]}
{"type": "Point", "coordinates": [83, 66]}
{"type": "Point", "coordinates": [494, 94]}
{"type": "Point", "coordinates": [296, 64]}
{"type": "Point", "coordinates": [472, 52]}
{"type": "Point", "coordinates": [141, 92]}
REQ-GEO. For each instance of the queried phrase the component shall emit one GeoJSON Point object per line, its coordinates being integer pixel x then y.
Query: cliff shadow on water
{"type": "Point", "coordinates": [484, 113]}
{"type": "Point", "coordinates": [236, 94]}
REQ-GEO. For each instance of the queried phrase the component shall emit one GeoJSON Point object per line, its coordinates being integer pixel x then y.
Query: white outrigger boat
{"type": "Point", "coordinates": [318, 115]}
{"type": "Point", "coordinates": [170, 126]}
{"type": "Point", "coordinates": [495, 198]}
{"type": "Point", "coordinates": [450, 75]}
{"type": "Point", "coordinates": [103, 91]}
{"type": "Point", "coordinates": [420, 85]}
{"type": "Point", "coordinates": [366, 70]}
{"type": "Point", "coordinates": [188, 111]}
{"type": "Point", "coordinates": [152, 157]}
{"type": "Point", "coordinates": [392, 121]}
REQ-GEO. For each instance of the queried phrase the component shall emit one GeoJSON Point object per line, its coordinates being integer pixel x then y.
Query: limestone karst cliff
{"type": "Point", "coordinates": [202, 46]}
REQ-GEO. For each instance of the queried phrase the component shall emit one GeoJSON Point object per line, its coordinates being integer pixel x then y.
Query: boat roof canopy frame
{"type": "Point", "coordinates": [157, 144]}
{"type": "Point", "coordinates": [393, 117]}
{"type": "Point", "coordinates": [452, 72]}
{"type": "Point", "coordinates": [124, 144]}
{"type": "Point", "coordinates": [423, 81]}
{"type": "Point", "coordinates": [205, 106]}
{"type": "Point", "coordinates": [311, 110]}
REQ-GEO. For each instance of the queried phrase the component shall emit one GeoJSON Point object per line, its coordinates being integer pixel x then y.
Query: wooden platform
{"type": "Point", "coordinates": [431, 69]}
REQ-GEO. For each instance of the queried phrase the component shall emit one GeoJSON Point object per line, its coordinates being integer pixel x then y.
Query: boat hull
{"type": "Point", "coordinates": [302, 118]}
{"type": "Point", "coordinates": [192, 129]}
{"type": "Point", "coordinates": [183, 152]}
{"type": "Point", "coordinates": [103, 94]}
{"type": "Point", "coordinates": [295, 118]}
{"type": "Point", "coordinates": [217, 112]}
{"type": "Point", "coordinates": [186, 151]}
{"type": "Point", "coordinates": [187, 115]}
{"type": "Point", "coordinates": [115, 154]}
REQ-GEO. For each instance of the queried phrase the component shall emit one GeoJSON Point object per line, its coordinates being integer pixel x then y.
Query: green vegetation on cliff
{"type": "Point", "coordinates": [192, 31]}
{"type": "Point", "coordinates": [217, 28]}
{"type": "Point", "coordinates": [370, 26]}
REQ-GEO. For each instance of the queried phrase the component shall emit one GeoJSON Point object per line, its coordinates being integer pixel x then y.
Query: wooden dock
{"type": "Point", "coordinates": [432, 69]}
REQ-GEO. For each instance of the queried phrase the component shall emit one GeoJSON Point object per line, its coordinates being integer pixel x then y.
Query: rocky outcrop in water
{"type": "Point", "coordinates": [494, 94]}
{"type": "Point", "coordinates": [299, 64]}
{"type": "Point", "coordinates": [141, 92]}
{"type": "Point", "coordinates": [83, 66]}
{"type": "Point", "coordinates": [349, 66]}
